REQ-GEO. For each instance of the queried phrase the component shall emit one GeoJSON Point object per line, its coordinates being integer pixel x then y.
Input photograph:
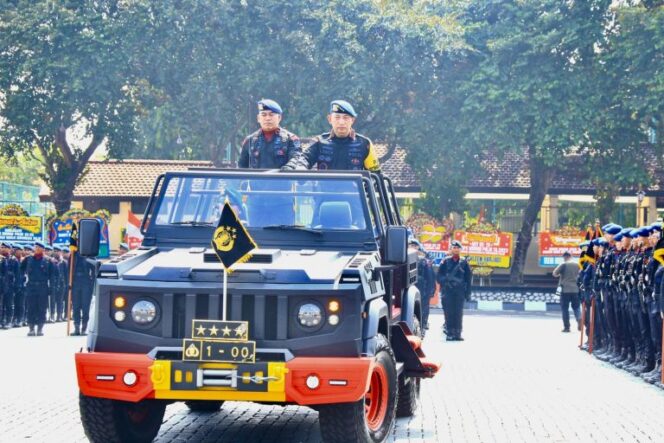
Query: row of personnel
{"type": "Point", "coordinates": [34, 285]}
{"type": "Point", "coordinates": [622, 291]}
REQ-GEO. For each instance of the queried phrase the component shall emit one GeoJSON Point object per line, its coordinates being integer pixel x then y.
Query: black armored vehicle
{"type": "Point", "coordinates": [324, 314]}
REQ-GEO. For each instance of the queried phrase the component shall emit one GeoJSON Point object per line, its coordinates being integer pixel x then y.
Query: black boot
{"type": "Point", "coordinates": [631, 358]}
{"type": "Point", "coordinates": [40, 330]}
{"type": "Point", "coordinates": [77, 329]}
{"type": "Point", "coordinates": [31, 331]}
{"type": "Point", "coordinates": [84, 329]}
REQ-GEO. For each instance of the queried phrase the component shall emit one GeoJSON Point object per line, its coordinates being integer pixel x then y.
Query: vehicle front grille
{"type": "Point", "coordinates": [261, 311]}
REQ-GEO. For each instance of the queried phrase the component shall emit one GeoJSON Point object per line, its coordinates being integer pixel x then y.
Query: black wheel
{"type": "Point", "coordinates": [118, 421]}
{"type": "Point", "coordinates": [204, 405]}
{"type": "Point", "coordinates": [409, 387]}
{"type": "Point", "coordinates": [371, 419]}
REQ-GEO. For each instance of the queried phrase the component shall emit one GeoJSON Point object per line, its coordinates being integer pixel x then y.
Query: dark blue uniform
{"type": "Point", "coordinates": [426, 285]}
{"type": "Point", "coordinates": [454, 277]}
{"type": "Point", "coordinates": [82, 287]}
{"type": "Point", "coordinates": [38, 271]}
{"type": "Point", "coordinates": [282, 151]}
{"type": "Point", "coordinates": [11, 275]}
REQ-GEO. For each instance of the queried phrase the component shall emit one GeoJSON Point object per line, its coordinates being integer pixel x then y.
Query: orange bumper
{"type": "Point", "coordinates": [339, 380]}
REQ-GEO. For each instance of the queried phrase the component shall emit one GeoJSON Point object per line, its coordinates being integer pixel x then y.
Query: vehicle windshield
{"type": "Point", "coordinates": [268, 203]}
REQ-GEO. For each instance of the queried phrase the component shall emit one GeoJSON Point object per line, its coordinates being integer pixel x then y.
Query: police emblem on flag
{"type": "Point", "coordinates": [231, 241]}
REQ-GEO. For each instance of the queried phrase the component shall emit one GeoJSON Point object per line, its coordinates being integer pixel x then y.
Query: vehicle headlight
{"type": "Point", "coordinates": [310, 315]}
{"type": "Point", "coordinates": [143, 312]}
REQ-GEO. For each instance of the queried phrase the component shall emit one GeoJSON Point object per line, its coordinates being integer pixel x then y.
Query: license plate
{"type": "Point", "coordinates": [219, 351]}
{"type": "Point", "coordinates": [219, 341]}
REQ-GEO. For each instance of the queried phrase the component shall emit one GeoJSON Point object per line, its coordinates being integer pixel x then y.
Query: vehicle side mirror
{"type": "Point", "coordinates": [396, 245]}
{"type": "Point", "coordinates": [88, 237]}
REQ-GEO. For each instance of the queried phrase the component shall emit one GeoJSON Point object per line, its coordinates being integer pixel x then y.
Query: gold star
{"type": "Point", "coordinates": [213, 330]}
{"type": "Point", "coordinates": [226, 331]}
{"type": "Point", "coordinates": [200, 330]}
{"type": "Point", "coordinates": [239, 331]}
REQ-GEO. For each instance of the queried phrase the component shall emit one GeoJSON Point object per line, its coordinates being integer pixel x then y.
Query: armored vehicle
{"type": "Point", "coordinates": [324, 314]}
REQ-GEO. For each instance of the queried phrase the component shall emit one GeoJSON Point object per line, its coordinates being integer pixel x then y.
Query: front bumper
{"type": "Point", "coordinates": [341, 380]}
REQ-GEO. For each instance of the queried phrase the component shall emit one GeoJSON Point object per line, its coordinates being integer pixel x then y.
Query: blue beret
{"type": "Point", "coordinates": [65, 248]}
{"type": "Point", "coordinates": [57, 248]}
{"type": "Point", "coordinates": [634, 232]}
{"type": "Point", "coordinates": [48, 247]}
{"type": "Point", "coordinates": [618, 236]}
{"type": "Point", "coordinates": [342, 107]}
{"type": "Point", "coordinates": [603, 243]}
{"type": "Point", "coordinates": [17, 246]}
{"type": "Point", "coordinates": [656, 226]}
{"type": "Point", "coordinates": [612, 229]}
{"type": "Point", "coordinates": [28, 248]}
{"type": "Point", "coordinates": [269, 105]}
{"type": "Point", "coordinates": [456, 243]}
{"type": "Point", "coordinates": [607, 226]}
{"type": "Point", "coordinates": [40, 244]}
{"type": "Point", "coordinates": [5, 244]}
{"type": "Point", "coordinates": [644, 231]}
{"type": "Point", "coordinates": [584, 244]}
{"type": "Point", "coordinates": [595, 242]}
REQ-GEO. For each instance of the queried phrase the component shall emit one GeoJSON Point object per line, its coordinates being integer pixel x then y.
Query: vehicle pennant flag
{"type": "Point", "coordinates": [133, 235]}
{"type": "Point", "coordinates": [231, 241]}
{"type": "Point", "coordinates": [73, 238]}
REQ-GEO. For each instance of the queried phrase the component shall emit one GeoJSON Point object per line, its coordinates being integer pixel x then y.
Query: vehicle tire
{"type": "Point", "coordinates": [117, 421]}
{"type": "Point", "coordinates": [204, 405]}
{"type": "Point", "coordinates": [371, 419]}
{"type": "Point", "coordinates": [409, 387]}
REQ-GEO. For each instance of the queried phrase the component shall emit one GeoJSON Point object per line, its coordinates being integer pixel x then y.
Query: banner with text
{"type": "Point", "coordinates": [21, 229]}
{"type": "Point", "coordinates": [552, 245]}
{"type": "Point", "coordinates": [493, 250]}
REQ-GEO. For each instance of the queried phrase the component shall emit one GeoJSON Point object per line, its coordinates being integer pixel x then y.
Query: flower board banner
{"type": "Point", "coordinates": [552, 245]}
{"type": "Point", "coordinates": [21, 229]}
{"type": "Point", "coordinates": [492, 250]}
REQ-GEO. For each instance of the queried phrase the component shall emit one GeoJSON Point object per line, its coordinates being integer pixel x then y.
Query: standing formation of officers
{"type": "Point", "coordinates": [34, 283]}
{"type": "Point", "coordinates": [621, 285]}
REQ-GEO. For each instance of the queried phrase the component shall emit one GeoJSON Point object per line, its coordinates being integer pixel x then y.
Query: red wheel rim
{"type": "Point", "coordinates": [375, 400]}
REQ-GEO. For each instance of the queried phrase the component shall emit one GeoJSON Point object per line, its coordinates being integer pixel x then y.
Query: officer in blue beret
{"type": "Point", "coordinates": [39, 274]}
{"type": "Point", "coordinates": [271, 146]}
{"type": "Point", "coordinates": [342, 148]}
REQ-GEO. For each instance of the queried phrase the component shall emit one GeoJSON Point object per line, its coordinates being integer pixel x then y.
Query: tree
{"type": "Point", "coordinates": [525, 89]}
{"type": "Point", "coordinates": [65, 82]}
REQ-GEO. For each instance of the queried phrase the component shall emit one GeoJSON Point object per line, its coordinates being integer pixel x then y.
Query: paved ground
{"type": "Point", "coordinates": [515, 378]}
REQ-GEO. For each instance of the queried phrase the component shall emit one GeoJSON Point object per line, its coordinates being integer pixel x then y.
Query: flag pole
{"type": "Point", "coordinates": [225, 293]}
{"type": "Point", "coordinates": [583, 322]}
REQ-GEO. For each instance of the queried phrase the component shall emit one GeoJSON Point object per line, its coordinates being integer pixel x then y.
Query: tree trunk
{"type": "Point", "coordinates": [605, 194]}
{"type": "Point", "coordinates": [540, 181]}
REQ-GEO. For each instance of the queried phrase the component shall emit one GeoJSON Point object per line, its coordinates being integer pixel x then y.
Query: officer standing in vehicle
{"type": "Point", "coordinates": [455, 278]}
{"type": "Point", "coordinates": [270, 147]}
{"type": "Point", "coordinates": [38, 271]}
{"type": "Point", "coordinates": [82, 287]}
{"type": "Point", "coordinates": [8, 285]}
{"type": "Point", "coordinates": [342, 148]}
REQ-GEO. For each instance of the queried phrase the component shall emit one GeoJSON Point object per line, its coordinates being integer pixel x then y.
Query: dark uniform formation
{"type": "Point", "coordinates": [34, 285]}
{"type": "Point", "coordinates": [621, 287]}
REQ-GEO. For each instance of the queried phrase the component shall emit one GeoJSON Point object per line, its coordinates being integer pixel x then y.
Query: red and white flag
{"type": "Point", "coordinates": [133, 236]}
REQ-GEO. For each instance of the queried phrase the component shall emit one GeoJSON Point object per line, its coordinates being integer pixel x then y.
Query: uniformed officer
{"type": "Point", "coordinates": [11, 272]}
{"type": "Point", "coordinates": [51, 255]}
{"type": "Point", "coordinates": [38, 271]}
{"type": "Point", "coordinates": [454, 277]}
{"type": "Point", "coordinates": [3, 291]}
{"type": "Point", "coordinates": [342, 148]}
{"type": "Point", "coordinates": [270, 147]}
{"type": "Point", "coordinates": [21, 311]}
{"type": "Point", "coordinates": [83, 285]}
{"type": "Point", "coordinates": [609, 290]}
{"type": "Point", "coordinates": [65, 289]}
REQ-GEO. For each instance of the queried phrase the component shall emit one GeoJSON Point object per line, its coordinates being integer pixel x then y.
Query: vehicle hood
{"type": "Point", "coordinates": [267, 266]}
